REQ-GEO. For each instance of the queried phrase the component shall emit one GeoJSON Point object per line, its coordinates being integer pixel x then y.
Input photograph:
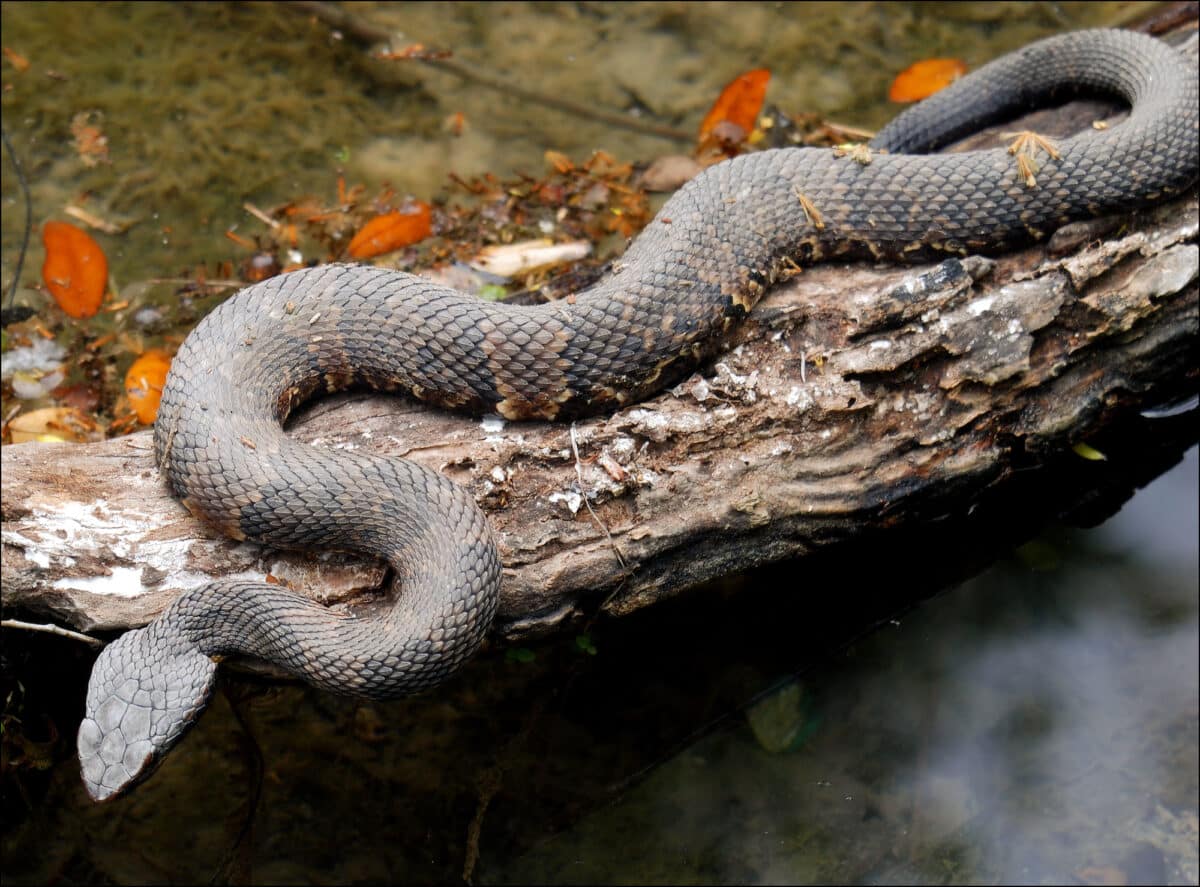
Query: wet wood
{"type": "Point", "coordinates": [854, 400]}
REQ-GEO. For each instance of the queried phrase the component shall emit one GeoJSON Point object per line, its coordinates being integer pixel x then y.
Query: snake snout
{"type": "Point", "coordinates": [145, 691]}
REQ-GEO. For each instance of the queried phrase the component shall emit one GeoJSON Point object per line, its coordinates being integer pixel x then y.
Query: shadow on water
{"type": "Point", "coordinates": [1036, 724]}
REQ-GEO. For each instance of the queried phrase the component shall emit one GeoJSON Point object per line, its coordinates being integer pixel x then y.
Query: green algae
{"type": "Point", "coordinates": [208, 105]}
{"type": "Point", "coordinates": [203, 106]}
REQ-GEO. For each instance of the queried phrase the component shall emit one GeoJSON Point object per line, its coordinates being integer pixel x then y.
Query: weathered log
{"type": "Point", "coordinates": [853, 399]}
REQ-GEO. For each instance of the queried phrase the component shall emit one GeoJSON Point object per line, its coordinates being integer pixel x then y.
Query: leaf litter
{"type": "Point", "coordinates": [526, 238]}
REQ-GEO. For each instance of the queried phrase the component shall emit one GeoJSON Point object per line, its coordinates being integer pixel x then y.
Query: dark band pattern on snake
{"type": "Point", "coordinates": [699, 266]}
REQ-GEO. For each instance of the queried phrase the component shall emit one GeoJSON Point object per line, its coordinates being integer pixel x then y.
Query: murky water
{"type": "Point", "coordinates": [1034, 726]}
{"type": "Point", "coordinates": [1038, 724]}
{"type": "Point", "coordinates": [207, 106]}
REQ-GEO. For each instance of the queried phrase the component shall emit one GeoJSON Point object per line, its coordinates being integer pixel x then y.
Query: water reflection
{"type": "Point", "coordinates": [1038, 725]}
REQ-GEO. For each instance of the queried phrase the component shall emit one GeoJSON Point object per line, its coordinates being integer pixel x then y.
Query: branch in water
{"type": "Point", "coordinates": [363, 31]}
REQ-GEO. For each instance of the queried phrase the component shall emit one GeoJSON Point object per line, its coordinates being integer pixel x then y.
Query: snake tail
{"type": "Point", "coordinates": [699, 266]}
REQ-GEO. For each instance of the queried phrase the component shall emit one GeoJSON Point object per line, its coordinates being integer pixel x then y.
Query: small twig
{"type": "Point", "coordinates": [259, 214]}
{"type": "Point", "coordinates": [9, 416]}
{"type": "Point", "coordinates": [489, 784]}
{"type": "Point", "coordinates": [12, 156]}
{"type": "Point", "coordinates": [94, 221]}
{"type": "Point", "coordinates": [235, 865]}
{"type": "Point", "coordinates": [591, 511]}
{"type": "Point", "coordinates": [613, 118]}
{"type": "Point", "coordinates": [206, 284]}
{"type": "Point", "coordinates": [365, 32]}
{"type": "Point", "coordinates": [53, 629]}
{"type": "Point", "coordinates": [853, 132]}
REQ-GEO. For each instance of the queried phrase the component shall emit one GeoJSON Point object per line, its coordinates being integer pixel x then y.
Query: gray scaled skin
{"type": "Point", "coordinates": [139, 703]}
{"type": "Point", "coordinates": [699, 266]}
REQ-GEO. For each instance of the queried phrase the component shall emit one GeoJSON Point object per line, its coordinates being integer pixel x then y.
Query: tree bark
{"type": "Point", "coordinates": [854, 399]}
{"type": "Point", "coordinates": [855, 402]}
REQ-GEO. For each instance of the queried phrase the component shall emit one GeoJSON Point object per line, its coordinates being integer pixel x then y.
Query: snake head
{"type": "Point", "coordinates": [146, 689]}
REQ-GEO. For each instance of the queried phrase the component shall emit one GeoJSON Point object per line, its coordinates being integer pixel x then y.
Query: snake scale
{"type": "Point", "coordinates": [699, 266]}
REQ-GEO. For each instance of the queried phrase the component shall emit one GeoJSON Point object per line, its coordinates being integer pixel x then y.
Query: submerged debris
{"type": "Point", "coordinates": [922, 79]}
{"type": "Point", "coordinates": [75, 270]}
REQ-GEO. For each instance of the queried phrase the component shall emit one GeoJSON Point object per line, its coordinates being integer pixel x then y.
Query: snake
{"type": "Point", "coordinates": [662, 309]}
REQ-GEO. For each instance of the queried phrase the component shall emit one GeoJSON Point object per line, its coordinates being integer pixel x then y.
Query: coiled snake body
{"type": "Point", "coordinates": [701, 264]}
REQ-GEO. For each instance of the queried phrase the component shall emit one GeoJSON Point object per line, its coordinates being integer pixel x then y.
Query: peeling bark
{"type": "Point", "coordinates": [855, 402]}
{"type": "Point", "coordinates": [854, 399]}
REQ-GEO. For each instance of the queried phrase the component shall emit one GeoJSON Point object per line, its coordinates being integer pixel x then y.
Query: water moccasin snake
{"type": "Point", "coordinates": [699, 266]}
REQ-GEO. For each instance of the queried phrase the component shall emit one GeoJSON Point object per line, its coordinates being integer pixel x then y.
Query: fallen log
{"type": "Point", "coordinates": [854, 399]}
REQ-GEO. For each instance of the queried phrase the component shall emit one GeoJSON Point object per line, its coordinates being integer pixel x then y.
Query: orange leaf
{"type": "Point", "coordinates": [561, 162]}
{"type": "Point", "coordinates": [923, 79]}
{"type": "Point", "coordinates": [391, 231]}
{"type": "Point", "coordinates": [739, 103]}
{"type": "Point", "coordinates": [144, 384]}
{"type": "Point", "coordinates": [17, 60]}
{"type": "Point", "coordinates": [75, 270]}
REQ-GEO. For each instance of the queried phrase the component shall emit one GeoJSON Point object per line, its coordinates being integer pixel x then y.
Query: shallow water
{"type": "Point", "coordinates": [1034, 726]}
{"type": "Point", "coordinates": [206, 106]}
{"type": "Point", "coordinates": [1037, 724]}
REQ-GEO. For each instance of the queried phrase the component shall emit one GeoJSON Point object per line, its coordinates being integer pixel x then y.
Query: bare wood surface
{"type": "Point", "coordinates": [853, 399]}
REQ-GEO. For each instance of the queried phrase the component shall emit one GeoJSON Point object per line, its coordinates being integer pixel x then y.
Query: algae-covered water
{"type": "Point", "coordinates": [207, 106]}
{"type": "Point", "coordinates": [1036, 725]}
